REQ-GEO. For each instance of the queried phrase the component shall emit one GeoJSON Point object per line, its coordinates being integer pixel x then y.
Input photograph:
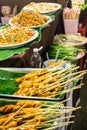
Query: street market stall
{"type": "Point", "coordinates": [53, 84]}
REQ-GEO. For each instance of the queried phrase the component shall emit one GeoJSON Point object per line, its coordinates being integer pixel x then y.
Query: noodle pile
{"type": "Point", "coordinates": [28, 18]}
{"type": "Point", "coordinates": [13, 35]}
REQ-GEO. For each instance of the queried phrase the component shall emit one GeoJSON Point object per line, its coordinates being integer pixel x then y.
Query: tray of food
{"type": "Point", "coordinates": [12, 75]}
{"type": "Point", "coordinates": [30, 19]}
{"type": "Point", "coordinates": [35, 115]}
{"type": "Point", "coordinates": [44, 84]}
{"type": "Point", "coordinates": [43, 7]}
{"type": "Point", "coordinates": [14, 37]}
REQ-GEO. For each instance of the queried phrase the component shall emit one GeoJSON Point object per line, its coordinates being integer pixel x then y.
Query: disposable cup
{"type": "Point", "coordinates": [71, 26]}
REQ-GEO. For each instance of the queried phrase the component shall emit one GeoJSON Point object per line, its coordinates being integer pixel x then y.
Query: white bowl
{"type": "Point", "coordinates": [48, 63]}
{"type": "Point", "coordinates": [51, 62]}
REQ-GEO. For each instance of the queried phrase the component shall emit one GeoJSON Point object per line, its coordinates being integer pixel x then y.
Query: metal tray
{"type": "Point", "coordinates": [15, 97]}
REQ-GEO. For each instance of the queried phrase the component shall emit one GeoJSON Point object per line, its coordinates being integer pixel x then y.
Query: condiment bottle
{"type": "Point", "coordinates": [36, 60]}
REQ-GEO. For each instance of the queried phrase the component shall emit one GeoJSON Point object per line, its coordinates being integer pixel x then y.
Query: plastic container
{"type": "Point", "coordinates": [71, 26]}
{"type": "Point", "coordinates": [36, 60]}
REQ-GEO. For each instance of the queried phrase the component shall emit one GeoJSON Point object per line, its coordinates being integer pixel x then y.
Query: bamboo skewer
{"type": "Point", "coordinates": [44, 77]}
{"type": "Point", "coordinates": [58, 119]}
{"type": "Point", "coordinates": [53, 113]}
{"type": "Point", "coordinates": [65, 100]}
{"type": "Point", "coordinates": [51, 127]}
{"type": "Point", "coordinates": [58, 113]}
{"type": "Point", "coordinates": [46, 122]}
{"type": "Point", "coordinates": [55, 73]}
{"type": "Point", "coordinates": [60, 103]}
{"type": "Point", "coordinates": [60, 125]}
{"type": "Point", "coordinates": [64, 77]}
{"type": "Point", "coordinates": [77, 77]}
{"type": "Point", "coordinates": [61, 84]}
{"type": "Point", "coordinates": [41, 87]}
{"type": "Point", "coordinates": [68, 111]}
{"type": "Point", "coordinates": [57, 105]}
{"type": "Point", "coordinates": [67, 91]}
{"type": "Point", "coordinates": [14, 114]}
{"type": "Point", "coordinates": [69, 75]}
{"type": "Point", "coordinates": [61, 118]}
{"type": "Point", "coordinates": [72, 79]}
{"type": "Point", "coordinates": [64, 92]}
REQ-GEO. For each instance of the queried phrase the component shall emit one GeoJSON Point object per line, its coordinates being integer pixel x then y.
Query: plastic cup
{"type": "Point", "coordinates": [71, 26]}
{"type": "Point", "coordinates": [5, 20]}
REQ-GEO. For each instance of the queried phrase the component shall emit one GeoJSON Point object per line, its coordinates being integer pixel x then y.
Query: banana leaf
{"type": "Point", "coordinates": [4, 102]}
{"type": "Point", "coordinates": [7, 81]}
{"type": "Point", "coordinates": [5, 54]}
{"type": "Point", "coordinates": [6, 74]}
